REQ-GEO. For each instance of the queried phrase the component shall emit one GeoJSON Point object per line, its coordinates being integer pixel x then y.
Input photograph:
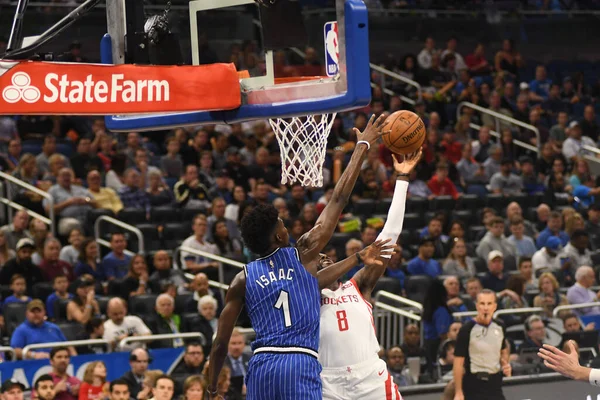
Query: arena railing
{"type": "Point", "coordinates": [73, 343]}
{"type": "Point", "coordinates": [390, 320]}
{"type": "Point", "coordinates": [463, 314]}
{"type": "Point", "coordinates": [8, 349]}
{"type": "Point", "coordinates": [165, 336]}
{"type": "Point", "coordinates": [6, 199]}
{"type": "Point", "coordinates": [501, 117]}
{"type": "Point", "coordinates": [524, 310]}
{"type": "Point", "coordinates": [122, 225]}
{"type": "Point", "coordinates": [558, 309]}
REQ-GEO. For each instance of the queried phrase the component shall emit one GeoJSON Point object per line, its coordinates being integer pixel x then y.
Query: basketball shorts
{"type": "Point", "coordinates": [369, 380]}
{"type": "Point", "coordinates": [283, 376]}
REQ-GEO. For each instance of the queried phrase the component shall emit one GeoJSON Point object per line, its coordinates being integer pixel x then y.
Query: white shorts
{"type": "Point", "coordinates": [369, 380]}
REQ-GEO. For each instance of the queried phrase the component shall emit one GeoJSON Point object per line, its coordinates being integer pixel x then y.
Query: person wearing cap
{"type": "Point", "coordinates": [190, 192]}
{"type": "Point", "coordinates": [423, 263]}
{"type": "Point", "coordinates": [573, 146]}
{"type": "Point", "coordinates": [494, 239]}
{"type": "Point", "coordinates": [22, 265]}
{"type": "Point", "coordinates": [12, 390]}
{"type": "Point", "coordinates": [581, 293]}
{"type": "Point", "coordinates": [585, 194]}
{"type": "Point", "coordinates": [547, 256]}
{"type": "Point", "coordinates": [36, 330]}
{"type": "Point", "coordinates": [495, 278]}
{"type": "Point", "coordinates": [505, 182]}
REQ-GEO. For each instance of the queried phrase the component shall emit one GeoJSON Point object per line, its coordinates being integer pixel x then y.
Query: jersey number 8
{"type": "Point", "coordinates": [342, 320]}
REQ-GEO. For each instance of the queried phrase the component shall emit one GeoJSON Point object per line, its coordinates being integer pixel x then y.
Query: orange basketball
{"type": "Point", "coordinates": [407, 132]}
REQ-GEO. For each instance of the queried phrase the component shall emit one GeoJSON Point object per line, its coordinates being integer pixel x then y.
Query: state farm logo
{"type": "Point", "coordinates": [63, 89]}
{"type": "Point", "coordinates": [21, 89]}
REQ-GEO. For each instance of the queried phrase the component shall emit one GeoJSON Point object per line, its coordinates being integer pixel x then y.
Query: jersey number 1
{"type": "Point", "coordinates": [284, 302]}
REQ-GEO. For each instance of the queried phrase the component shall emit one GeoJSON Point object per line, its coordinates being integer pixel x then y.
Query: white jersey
{"type": "Point", "coordinates": [347, 327]}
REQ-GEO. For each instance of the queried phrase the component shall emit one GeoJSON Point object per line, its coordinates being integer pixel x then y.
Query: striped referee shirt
{"type": "Point", "coordinates": [481, 346]}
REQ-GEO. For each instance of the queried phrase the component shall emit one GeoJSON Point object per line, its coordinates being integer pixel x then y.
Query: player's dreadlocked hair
{"type": "Point", "coordinates": [258, 226]}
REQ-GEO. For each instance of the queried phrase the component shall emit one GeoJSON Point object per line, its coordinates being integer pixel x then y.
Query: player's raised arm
{"type": "Point", "coordinates": [234, 302]}
{"type": "Point", "coordinates": [367, 277]}
{"type": "Point", "coordinates": [312, 242]}
{"type": "Point", "coordinates": [568, 364]}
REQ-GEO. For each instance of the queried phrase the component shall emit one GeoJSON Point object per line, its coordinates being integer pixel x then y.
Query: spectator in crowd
{"type": "Point", "coordinates": [396, 363]}
{"type": "Point", "coordinates": [425, 56]}
{"type": "Point", "coordinates": [44, 388]}
{"type": "Point", "coordinates": [473, 287]}
{"type": "Point", "coordinates": [232, 209]}
{"type": "Point", "coordinates": [495, 278]}
{"type": "Point", "coordinates": [190, 192]}
{"type": "Point", "coordinates": [120, 325]}
{"type": "Point", "coordinates": [136, 282]}
{"type": "Point", "coordinates": [237, 361]}
{"type": "Point", "coordinates": [42, 160]}
{"type": "Point", "coordinates": [158, 192]}
{"type": "Point", "coordinates": [540, 86]}
{"type": "Point", "coordinates": [576, 254]}
{"type": "Point", "coordinates": [446, 359]}
{"type": "Point", "coordinates": [505, 182]}
{"type": "Point", "coordinates": [580, 292]}
{"type": "Point", "coordinates": [453, 330]}
{"type": "Point", "coordinates": [493, 164]}
{"type": "Point", "coordinates": [139, 359]}
{"type": "Point", "coordinates": [192, 362]}
{"type": "Point", "coordinates": [56, 162]}
{"type": "Point", "coordinates": [208, 322]}
{"type": "Point", "coordinates": [435, 232]}
{"type": "Point", "coordinates": [549, 297]}
{"type": "Point", "coordinates": [51, 265]}
{"type": "Point", "coordinates": [418, 188]}
{"type": "Point", "coordinates": [584, 195]}
{"type": "Point", "coordinates": [60, 284]}
{"type": "Point", "coordinates": [83, 307]}
{"type": "Point", "coordinates": [66, 386]}
{"type": "Point", "coordinates": [514, 210]}
{"type": "Point", "coordinates": [553, 228]}
{"type": "Point", "coordinates": [164, 388]}
{"type": "Point", "coordinates": [458, 262]}
{"type": "Point", "coordinates": [70, 253]}
{"type": "Point", "coordinates": [547, 258]}
{"type": "Point", "coordinates": [580, 172]}
{"type": "Point", "coordinates": [94, 385]}
{"type": "Point", "coordinates": [524, 244]}
{"type": "Point", "coordinates": [131, 195]}
{"type": "Point", "coordinates": [223, 383]}
{"type": "Point", "coordinates": [12, 390]}
{"type": "Point", "coordinates": [573, 145]}
{"type": "Point", "coordinates": [94, 329]}
{"type": "Point", "coordinates": [193, 387]}
{"type": "Point", "coordinates": [171, 163]}
{"type": "Point", "coordinates": [411, 345]}
{"type": "Point", "coordinates": [454, 303]}
{"type": "Point", "coordinates": [516, 284]}
{"type": "Point", "coordinates": [87, 263]}
{"type": "Point", "coordinates": [437, 318]}
{"type": "Point", "coordinates": [423, 263]}
{"type": "Point", "coordinates": [482, 146]}
{"type": "Point", "coordinates": [17, 230]}
{"type": "Point", "coordinates": [572, 323]}
{"type": "Point", "coordinates": [164, 274]}
{"type": "Point", "coordinates": [144, 168]}
{"type": "Point", "coordinates": [494, 240]}
{"type": "Point", "coordinates": [592, 225]}
{"type": "Point", "coordinates": [543, 214]}
{"type": "Point", "coordinates": [119, 390]}
{"type": "Point", "coordinates": [440, 184]}
{"type": "Point", "coordinates": [18, 286]}
{"type": "Point", "coordinates": [218, 213]}
{"type": "Point", "coordinates": [70, 202]}
{"type": "Point", "coordinates": [508, 60]}
{"type": "Point", "coordinates": [589, 126]}
{"type": "Point", "coordinates": [199, 287]}
{"type": "Point", "coordinates": [116, 263]}
{"type": "Point", "coordinates": [6, 253]}
{"type": "Point", "coordinates": [106, 198]}
{"type": "Point", "coordinates": [526, 271]}
{"type": "Point", "coordinates": [195, 263]}
{"type": "Point", "coordinates": [36, 330]}
{"type": "Point", "coordinates": [83, 160]}
{"type": "Point", "coordinates": [165, 321]}
{"type": "Point", "coordinates": [22, 265]}
{"type": "Point", "coordinates": [496, 106]}
{"type": "Point", "coordinates": [535, 333]}
{"type": "Point", "coordinates": [39, 233]}
{"type": "Point", "coordinates": [229, 247]}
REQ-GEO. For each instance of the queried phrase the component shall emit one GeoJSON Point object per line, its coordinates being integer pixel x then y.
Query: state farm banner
{"type": "Point", "coordinates": [86, 89]}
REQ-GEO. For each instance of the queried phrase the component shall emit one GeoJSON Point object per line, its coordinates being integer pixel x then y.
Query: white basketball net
{"type": "Point", "coordinates": [302, 144]}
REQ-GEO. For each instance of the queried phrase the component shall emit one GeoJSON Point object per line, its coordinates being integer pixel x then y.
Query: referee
{"type": "Point", "coordinates": [481, 354]}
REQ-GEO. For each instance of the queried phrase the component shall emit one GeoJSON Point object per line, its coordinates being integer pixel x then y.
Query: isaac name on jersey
{"type": "Point", "coordinates": [266, 279]}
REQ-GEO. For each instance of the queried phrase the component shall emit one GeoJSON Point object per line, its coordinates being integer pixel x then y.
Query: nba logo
{"type": "Point", "coordinates": [332, 49]}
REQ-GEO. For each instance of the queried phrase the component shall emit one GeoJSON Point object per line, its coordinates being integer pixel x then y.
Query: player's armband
{"type": "Point", "coordinates": [595, 377]}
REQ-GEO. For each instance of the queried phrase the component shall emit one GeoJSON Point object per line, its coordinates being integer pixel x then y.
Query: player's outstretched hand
{"type": "Point", "coordinates": [409, 163]}
{"type": "Point", "coordinates": [370, 254]}
{"type": "Point", "coordinates": [373, 131]}
{"type": "Point", "coordinates": [561, 362]}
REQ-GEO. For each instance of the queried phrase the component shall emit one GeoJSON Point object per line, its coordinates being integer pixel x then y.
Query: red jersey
{"type": "Point", "coordinates": [444, 188]}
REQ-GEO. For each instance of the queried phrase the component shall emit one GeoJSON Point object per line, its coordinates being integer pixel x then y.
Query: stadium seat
{"type": "Point", "coordinates": [132, 216]}
{"type": "Point", "coordinates": [114, 288]}
{"type": "Point", "coordinates": [5, 291]}
{"type": "Point", "coordinates": [188, 214]}
{"type": "Point", "coordinates": [151, 237]}
{"type": "Point", "coordinates": [468, 202]}
{"type": "Point", "coordinates": [14, 315]}
{"type": "Point", "coordinates": [445, 203]}
{"type": "Point", "coordinates": [60, 309]}
{"type": "Point", "coordinates": [416, 287]}
{"type": "Point", "coordinates": [142, 305]}
{"type": "Point", "coordinates": [96, 213]}
{"type": "Point", "coordinates": [31, 146]}
{"type": "Point", "coordinates": [364, 207]}
{"type": "Point", "coordinates": [466, 216]}
{"type": "Point", "coordinates": [480, 264]}
{"type": "Point", "coordinates": [388, 284]}
{"type": "Point", "coordinates": [474, 232]}
{"type": "Point", "coordinates": [173, 234]}
{"type": "Point", "coordinates": [189, 321]}
{"type": "Point", "coordinates": [163, 215]}
{"type": "Point", "coordinates": [42, 290]}
{"type": "Point", "coordinates": [534, 200]}
{"type": "Point", "coordinates": [181, 301]}
{"type": "Point", "coordinates": [383, 206]}
{"type": "Point", "coordinates": [413, 221]}
{"type": "Point", "coordinates": [416, 205]}
{"type": "Point", "coordinates": [496, 201]}
{"type": "Point", "coordinates": [71, 330]}
{"type": "Point", "coordinates": [521, 199]}
{"type": "Point", "coordinates": [595, 258]}
{"type": "Point", "coordinates": [339, 239]}
{"type": "Point", "coordinates": [65, 148]}
{"type": "Point", "coordinates": [405, 237]}
{"type": "Point", "coordinates": [510, 263]}
{"type": "Point", "coordinates": [103, 303]}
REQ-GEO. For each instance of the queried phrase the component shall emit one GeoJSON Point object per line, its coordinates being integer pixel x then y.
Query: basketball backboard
{"type": "Point", "coordinates": [345, 86]}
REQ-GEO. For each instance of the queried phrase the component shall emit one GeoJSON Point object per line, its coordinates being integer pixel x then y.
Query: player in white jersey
{"type": "Point", "coordinates": [348, 344]}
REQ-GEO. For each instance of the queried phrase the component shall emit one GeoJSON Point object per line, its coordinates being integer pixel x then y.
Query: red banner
{"type": "Point", "coordinates": [86, 89]}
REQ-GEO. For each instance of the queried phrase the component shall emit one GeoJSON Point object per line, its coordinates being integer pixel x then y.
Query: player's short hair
{"type": "Point", "coordinates": [487, 291]}
{"type": "Point", "coordinates": [258, 226]}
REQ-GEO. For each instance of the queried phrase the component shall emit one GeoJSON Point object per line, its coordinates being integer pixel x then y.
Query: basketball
{"type": "Point", "coordinates": [407, 132]}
